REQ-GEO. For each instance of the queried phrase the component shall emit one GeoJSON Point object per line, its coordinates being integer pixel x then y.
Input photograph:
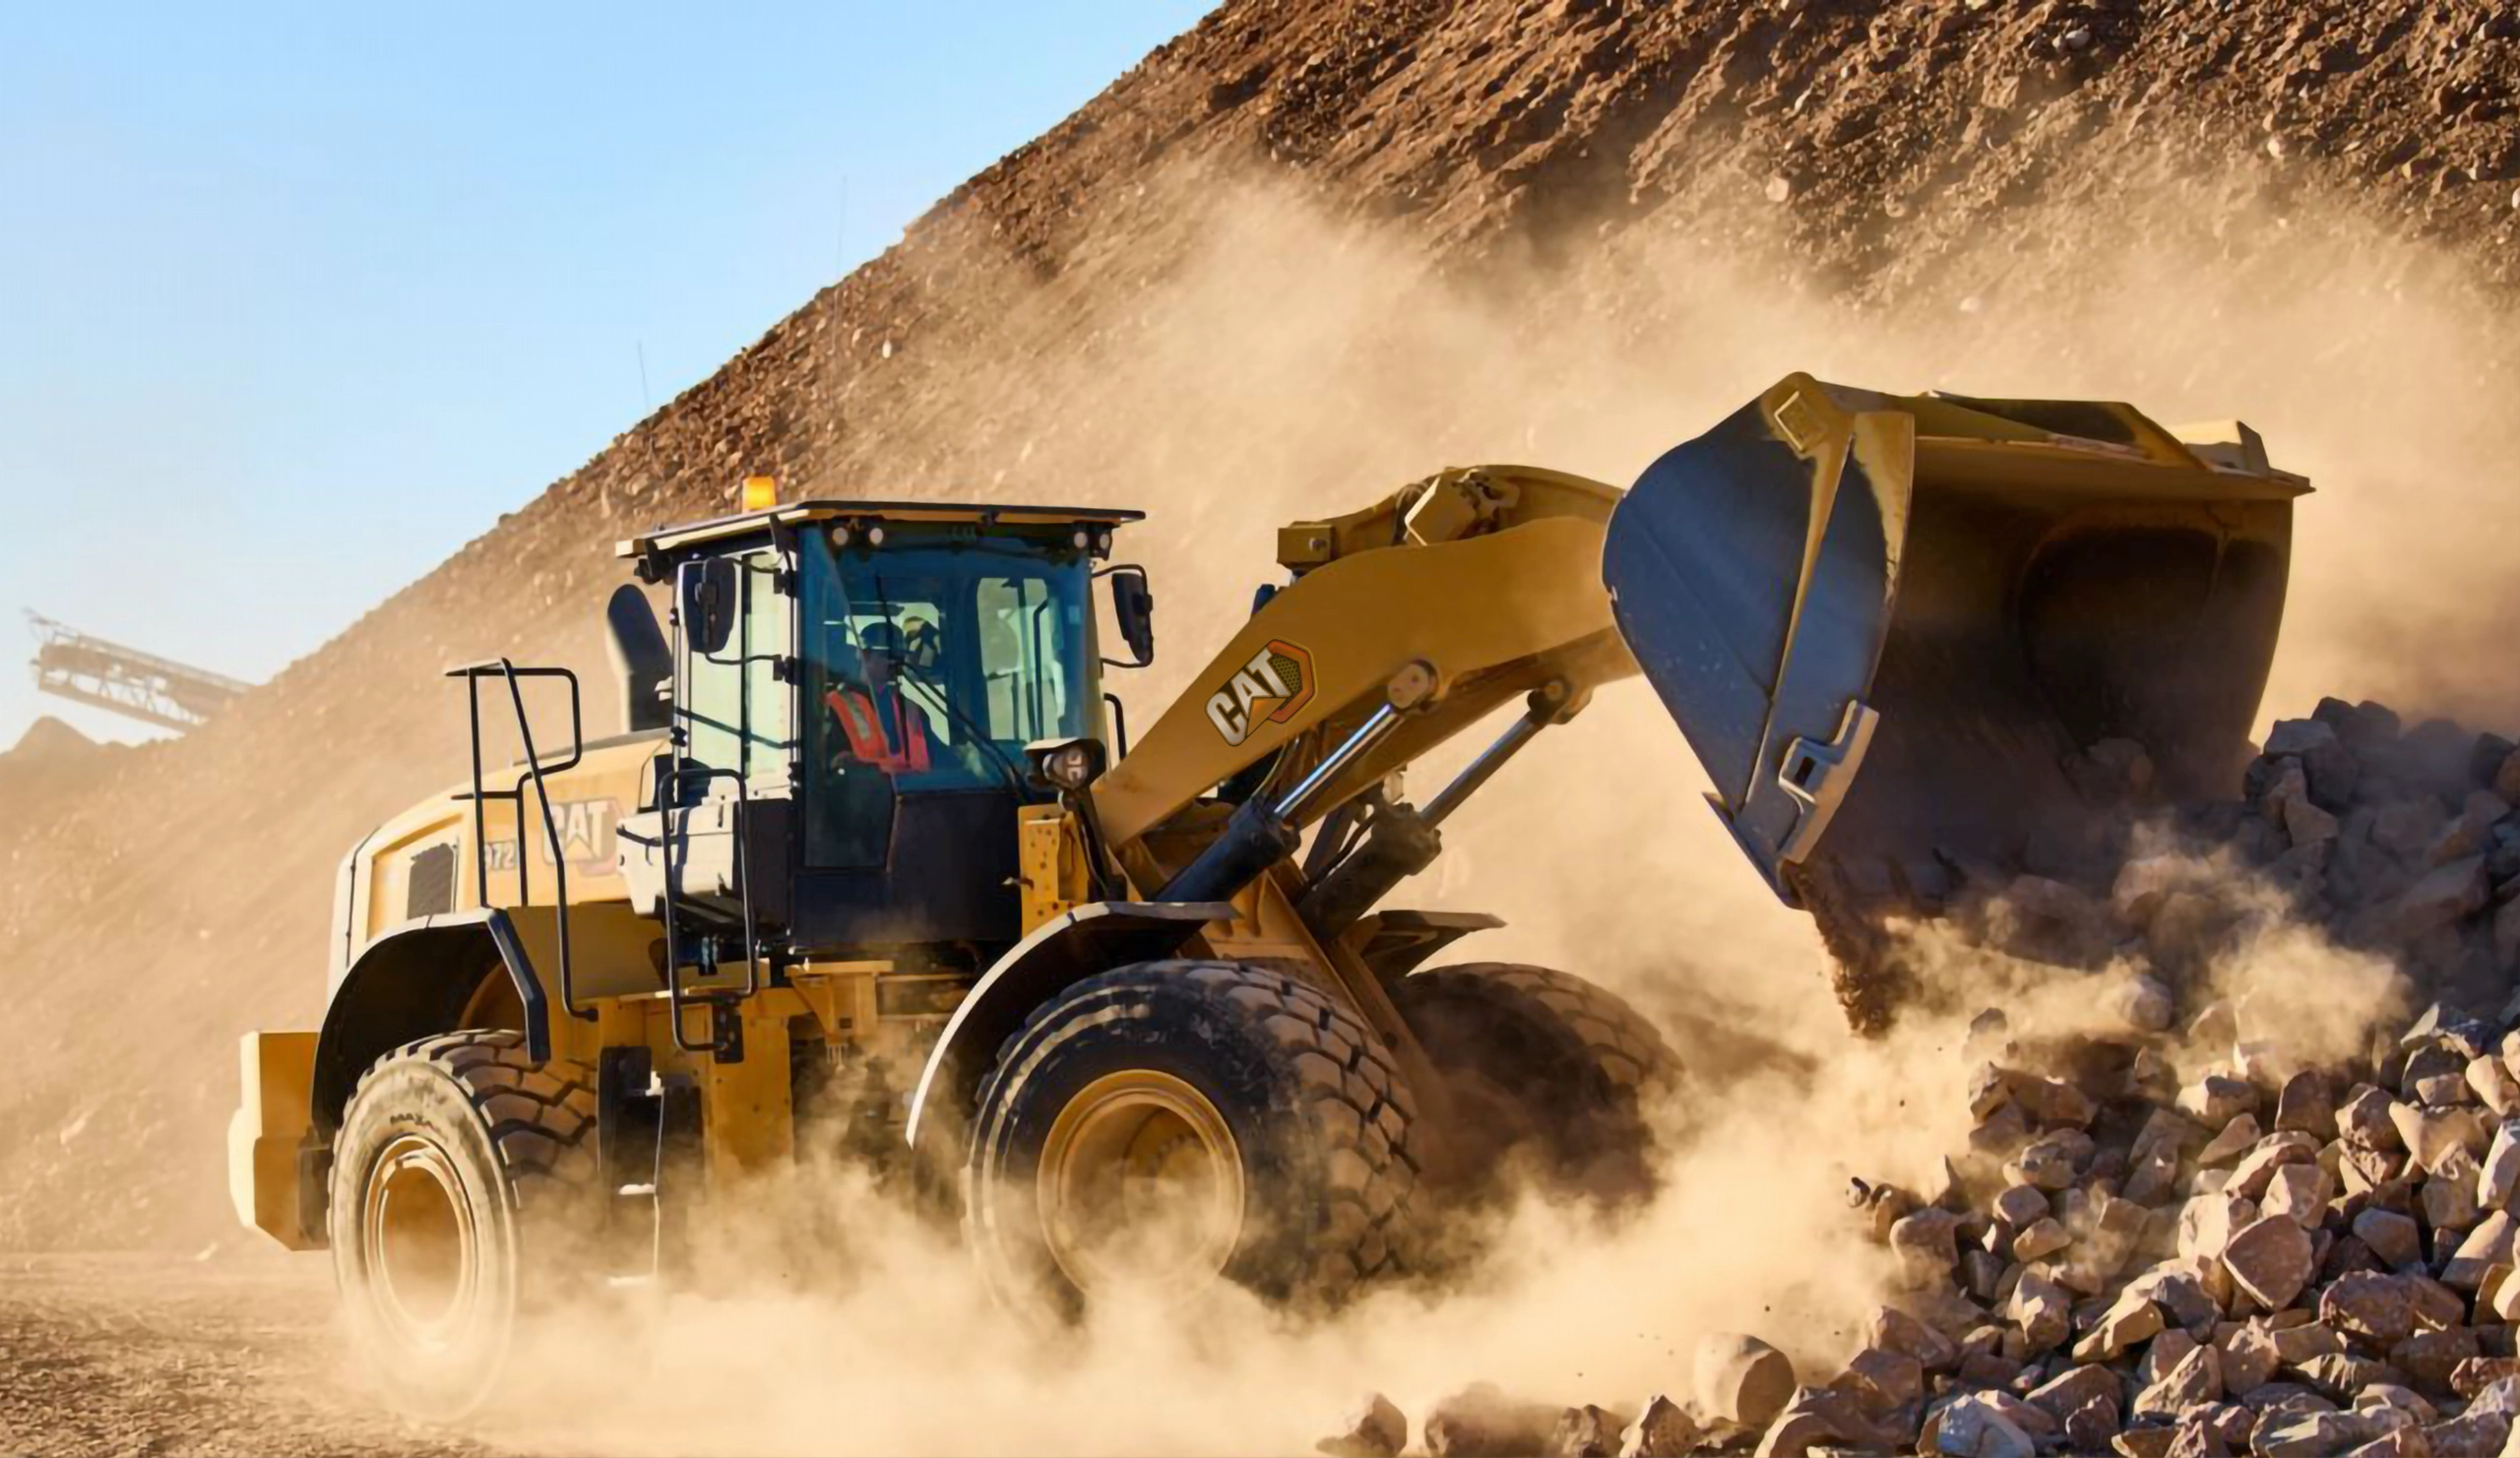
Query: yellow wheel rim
{"type": "Point", "coordinates": [416, 1232]}
{"type": "Point", "coordinates": [1141, 1185]}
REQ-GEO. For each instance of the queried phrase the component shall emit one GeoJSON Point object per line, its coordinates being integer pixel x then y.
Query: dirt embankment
{"type": "Point", "coordinates": [1300, 254]}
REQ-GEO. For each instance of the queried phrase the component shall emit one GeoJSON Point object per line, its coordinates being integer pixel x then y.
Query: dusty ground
{"type": "Point", "coordinates": [113, 1353]}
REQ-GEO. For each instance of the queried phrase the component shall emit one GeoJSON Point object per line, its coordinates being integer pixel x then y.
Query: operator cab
{"type": "Point", "coordinates": [852, 686]}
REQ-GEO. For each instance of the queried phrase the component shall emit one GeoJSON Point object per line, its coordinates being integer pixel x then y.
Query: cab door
{"type": "Point", "coordinates": [734, 722]}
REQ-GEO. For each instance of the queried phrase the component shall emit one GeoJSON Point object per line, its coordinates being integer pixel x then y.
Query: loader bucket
{"type": "Point", "coordinates": [1892, 627]}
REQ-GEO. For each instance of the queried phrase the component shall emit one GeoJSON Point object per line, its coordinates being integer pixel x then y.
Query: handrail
{"type": "Point", "coordinates": [506, 670]}
{"type": "Point", "coordinates": [676, 999]}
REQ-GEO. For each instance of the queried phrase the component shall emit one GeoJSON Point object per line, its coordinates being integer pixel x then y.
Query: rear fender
{"type": "Point", "coordinates": [413, 982]}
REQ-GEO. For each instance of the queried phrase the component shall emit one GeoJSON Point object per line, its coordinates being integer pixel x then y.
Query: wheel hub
{"type": "Point", "coordinates": [1141, 1184]}
{"type": "Point", "coordinates": [417, 1234]}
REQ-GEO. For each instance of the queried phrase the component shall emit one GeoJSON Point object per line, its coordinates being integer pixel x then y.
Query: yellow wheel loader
{"type": "Point", "coordinates": [876, 860]}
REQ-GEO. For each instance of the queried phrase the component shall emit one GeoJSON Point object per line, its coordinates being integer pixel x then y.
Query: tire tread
{"type": "Point", "coordinates": [1355, 1102]}
{"type": "Point", "coordinates": [541, 1117]}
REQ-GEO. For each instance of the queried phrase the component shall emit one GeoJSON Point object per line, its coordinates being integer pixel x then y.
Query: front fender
{"type": "Point", "coordinates": [1058, 954]}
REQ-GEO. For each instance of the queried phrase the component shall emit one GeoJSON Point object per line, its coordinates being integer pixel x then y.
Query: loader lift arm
{"type": "Point", "coordinates": [1407, 623]}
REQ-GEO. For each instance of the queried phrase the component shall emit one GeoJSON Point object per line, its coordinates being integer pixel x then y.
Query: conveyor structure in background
{"type": "Point", "coordinates": [71, 664]}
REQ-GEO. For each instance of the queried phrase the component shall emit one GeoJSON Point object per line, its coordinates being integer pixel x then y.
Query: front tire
{"type": "Point", "coordinates": [462, 1193]}
{"type": "Point", "coordinates": [1170, 1124]}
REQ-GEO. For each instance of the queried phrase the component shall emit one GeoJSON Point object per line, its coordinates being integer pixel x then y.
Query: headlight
{"type": "Point", "coordinates": [1066, 764]}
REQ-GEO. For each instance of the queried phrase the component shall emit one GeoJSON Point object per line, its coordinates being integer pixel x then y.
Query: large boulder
{"type": "Point", "coordinates": [1742, 1379]}
{"type": "Point", "coordinates": [2271, 1260]}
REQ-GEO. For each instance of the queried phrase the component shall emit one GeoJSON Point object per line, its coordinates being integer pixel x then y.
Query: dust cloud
{"type": "Point", "coordinates": [894, 1346]}
{"type": "Point", "coordinates": [1300, 365]}
{"type": "Point", "coordinates": [1297, 366]}
{"type": "Point", "coordinates": [2289, 996]}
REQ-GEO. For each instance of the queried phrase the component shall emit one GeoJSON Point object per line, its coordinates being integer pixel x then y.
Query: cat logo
{"type": "Point", "coordinates": [587, 832]}
{"type": "Point", "coordinates": [1269, 689]}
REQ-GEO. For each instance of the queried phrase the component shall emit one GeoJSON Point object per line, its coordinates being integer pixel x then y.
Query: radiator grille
{"type": "Point", "coordinates": [432, 882]}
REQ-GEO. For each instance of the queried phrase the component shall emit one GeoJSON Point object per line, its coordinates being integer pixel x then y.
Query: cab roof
{"type": "Point", "coordinates": [799, 513]}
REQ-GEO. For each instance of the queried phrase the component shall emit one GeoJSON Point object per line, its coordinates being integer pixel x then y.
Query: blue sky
{"type": "Point", "coordinates": [294, 300]}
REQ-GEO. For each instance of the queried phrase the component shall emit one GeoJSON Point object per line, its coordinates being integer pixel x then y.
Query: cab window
{"type": "Point", "coordinates": [929, 663]}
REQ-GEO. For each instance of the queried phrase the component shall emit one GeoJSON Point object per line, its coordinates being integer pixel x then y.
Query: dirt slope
{"type": "Point", "coordinates": [1020, 341]}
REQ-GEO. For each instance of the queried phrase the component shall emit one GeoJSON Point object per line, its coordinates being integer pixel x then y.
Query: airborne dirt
{"type": "Point", "coordinates": [1297, 257]}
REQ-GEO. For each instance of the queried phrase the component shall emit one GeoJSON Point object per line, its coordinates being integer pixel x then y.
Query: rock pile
{"type": "Point", "coordinates": [2406, 842]}
{"type": "Point", "coordinates": [2401, 842]}
{"type": "Point", "coordinates": [2319, 1264]}
{"type": "Point", "coordinates": [50, 758]}
{"type": "Point", "coordinates": [2178, 1238]}
{"type": "Point", "coordinates": [2246, 1265]}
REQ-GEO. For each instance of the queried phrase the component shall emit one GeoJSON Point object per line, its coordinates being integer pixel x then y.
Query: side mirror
{"type": "Point", "coordinates": [706, 600]}
{"type": "Point", "coordinates": [1133, 606]}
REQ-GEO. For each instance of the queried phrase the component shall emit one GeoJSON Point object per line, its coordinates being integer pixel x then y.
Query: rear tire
{"type": "Point", "coordinates": [1171, 1123]}
{"type": "Point", "coordinates": [463, 1197]}
{"type": "Point", "coordinates": [1550, 1076]}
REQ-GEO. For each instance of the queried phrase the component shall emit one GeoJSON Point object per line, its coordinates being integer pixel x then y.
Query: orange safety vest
{"type": "Point", "coordinates": [867, 741]}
